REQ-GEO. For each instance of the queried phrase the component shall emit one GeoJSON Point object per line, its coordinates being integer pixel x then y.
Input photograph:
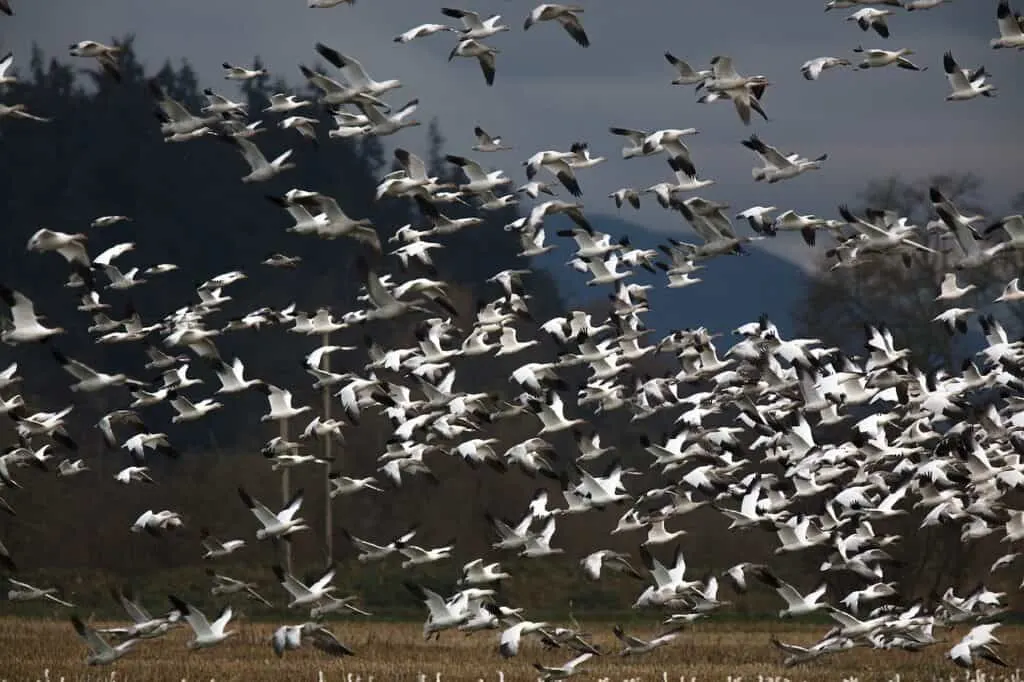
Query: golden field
{"type": "Point", "coordinates": [396, 651]}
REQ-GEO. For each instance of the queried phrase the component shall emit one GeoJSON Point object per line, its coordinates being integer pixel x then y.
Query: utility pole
{"type": "Point", "coordinates": [286, 547]}
{"type": "Point", "coordinates": [328, 517]}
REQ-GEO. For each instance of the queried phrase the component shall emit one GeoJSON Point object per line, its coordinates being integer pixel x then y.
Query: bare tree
{"type": "Point", "coordinates": [901, 291]}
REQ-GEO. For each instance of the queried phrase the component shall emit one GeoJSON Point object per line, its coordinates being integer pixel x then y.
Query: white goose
{"type": "Point", "coordinates": [280, 401]}
{"type": "Point", "coordinates": [260, 169]}
{"type": "Point", "coordinates": [876, 59]}
{"type": "Point", "coordinates": [303, 595]}
{"type": "Point", "coordinates": [475, 27]}
{"type": "Point", "coordinates": [100, 652]}
{"type": "Point", "coordinates": [279, 525]}
{"type": "Point", "coordinates": [965, 84]}
{"type": "Point", "coordinates": [422, 31]}
{"type": "Point", "coordinates": [24, 326]}
{"type": "Point", "coordinates": [566, 15]}
{"type": "Point", "coordinates": [206, 634]}
{"type": "Point", "coordinates": [1011, 33]}
{"type": "Point", "coordinates": [484, 54]}
{"type": "Point", "coordinates": [813, 68]}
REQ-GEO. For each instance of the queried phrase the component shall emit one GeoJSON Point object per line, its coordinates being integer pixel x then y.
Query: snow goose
{"type": "Point", "coordinates": [813, 68]}
{"type": "Point", "coordinates": [303, 125]}
{"type": "Point", "coordinates": [188, 411]}
{"type": "Point", "coordinates": [219, 104]}
{"type": "Point", "coordinates": [778, 166]}
{"type": "Point", "coordinates": [626, 195]}
{"type": "Point", "coordinates": [875, 59]}
{"type": "Point", "coordinates": [22, 591]}
{"type": "Point", "coordinates": [280, 401]}
{"type": "Point", "coordinates": [174, 117]}
{"type": "Point", "coordinates": [633, 646]}
{"type": "Point", "coordinates": [239, 73]}
{"type": "Point", "coordinates": [539, 544]}
{"type": "Point", "coordinates": [474, 26]}
{"type": "Point", "coordinates": [1012, 292]}
{"type": "Point", "coordinates": [441, 615]}
{"type": "Point", "coordinates": [279, 525]}
{"type": "Point", "coordinates": [206, 634]}
{"type": "Point", "coordinates": [108, 220]}
{"type": "Point", "coordinates": [594, 562]}
{"type": "Point", "coordinates": [744, 97]}
{"type": "Point", "coordinates": [566, 15]}
{"type": "Point", "coordinates": [422, 31]}
{"type": "Point", "coordinates": [301, 594]}
{"type": "Point", "coordinates": [281, 103]}
{"type": "Point", "coordinates": [214, 548]}
{"type": "Point", "coordinates": [335, 93]}
{"type": "Point", "coordinates": [100, 652]}
{"type": "Point", "coordinates": [418, 556]}
{"type": "Point", "coordinates": [796, 603]}
{"type": "Point", "coordinates": [479, 180]}
{"type": "Point", "coordinates": [144, 625]}
{"type": "Point", "coordinates": [1013, 226]}
{"type": "Point", "coordinates": [843, 4]}
{"type": "Point", "coordinates": [581, 156]}
{"type": "Point", "coordinates": [260, 170]}
{"type": "Point", "coordinates": [155, 523]}
{"type": "Point", "coordinates": [67, 467]}
{"type": "Point", "coordinates": [354, 72]}
{"type": "Point", "coordinates": [912, 5]}
{"type": "Point", "coordinates": [558, 164]}
{"type": "Point", "coordinates": [381, 125]}
{"type": "Point", "coordinates": [21, 111]}
{"type": "Point", "coordinates": [484, 54]}
{"type": "Point", "coordinates": [965, 85]}
{"type": "Point", "coordinates": [670, 142]}
{"type": "Point", "coordinates": [369, 551]}
{"type": "Point", "coordinates": [289, 637]}
{"type": "Point", "coordinates": [280, 260]}
{"type": "Point", "coordinates": [477, 573]}
{"type": "Point", "coordinates": [105, 55]}
{"type": "Point", "coordinates": [70, 246]}
{"type": "Point", "coordinates": [566, 670]}
{"type": "Point", "coordinates": [950, 290]}
{"type": "Point", "coordinates": [687, 74]}
{"type": "Point", "coordinates": [232, 376]}
{"type": "Point", "coordinates": [336, 223]}
{"type": "Point", "coordinates": [487, 143]}
{"type": "Point", "coordinates": [25, 326]}
{"type": "Point", "coordinates": [869, 17]}
{"type": "Point", "coordinates": [636, 139]}
{"type": "Point", "coordinates": [978, 642]}
{"type": "Point", "coordinates": [1011, 32]}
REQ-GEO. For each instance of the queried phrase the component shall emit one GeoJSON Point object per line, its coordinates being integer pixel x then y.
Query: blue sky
{"type": "Point", "coordinates": [550, 92]}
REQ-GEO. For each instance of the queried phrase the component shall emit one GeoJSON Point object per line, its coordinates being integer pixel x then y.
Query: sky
{"type": "Point", "coordinates": [550, 92]}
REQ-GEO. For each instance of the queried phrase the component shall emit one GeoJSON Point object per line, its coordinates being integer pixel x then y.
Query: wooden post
{"type": "Point", "coordinates": [328, 517]}
{"type": "Point", "coordinates": [286, 547]}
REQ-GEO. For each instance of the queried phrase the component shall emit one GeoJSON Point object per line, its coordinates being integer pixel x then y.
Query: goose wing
{"type": "Point", "coordinates": [195, 618]}
{"type": "Point", "coordinates": [957, 79]}
{"type": "Point", "coordinates": [262, 514]}
{"type": "Point", "coordinates": [92, 639]}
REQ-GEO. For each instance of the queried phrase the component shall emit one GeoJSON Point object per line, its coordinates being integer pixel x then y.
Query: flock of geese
{"type": "Point", "coordinates": [750, 423]}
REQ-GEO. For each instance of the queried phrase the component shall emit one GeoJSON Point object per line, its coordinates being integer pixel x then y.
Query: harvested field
{"type": "Point", "coordinates": [396, 651]}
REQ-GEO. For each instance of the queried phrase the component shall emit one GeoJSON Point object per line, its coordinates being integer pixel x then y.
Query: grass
{"type": "Point", "coordinates": [396, 651]}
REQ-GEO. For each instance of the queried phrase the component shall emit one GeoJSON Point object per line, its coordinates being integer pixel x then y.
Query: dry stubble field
{"type": "Point", "coordinates": [396, 651]}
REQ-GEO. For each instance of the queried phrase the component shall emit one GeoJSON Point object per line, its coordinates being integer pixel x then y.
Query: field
{"type": "Point", "coordinates": [396, 651]}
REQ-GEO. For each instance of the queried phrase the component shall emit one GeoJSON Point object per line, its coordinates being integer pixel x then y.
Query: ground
{"type": "Point", "coordinates": [396, 651]}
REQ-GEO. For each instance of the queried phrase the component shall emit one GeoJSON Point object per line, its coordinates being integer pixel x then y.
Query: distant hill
{"type": "Point", "coordinates": [733, 290]}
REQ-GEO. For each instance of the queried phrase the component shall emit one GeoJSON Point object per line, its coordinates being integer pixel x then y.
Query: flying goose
{"type": "Point", "coordinates": [487, 143]}
{"type": "Point", "coordinates": [303, 595]}
{"type": "Point", "coordinates": [100, 652]}
{"type": "Point", "coordinates": [594, 562]}
{"type": "Point", "coordinates": [187, 410]}
{"type": "Point", "coordinates": [687, 74]}
{"type": "Point", "coordinates": [336, 223]}
{"type": "Point", "coordinates": [881, 58]}
{"type": "Point", "coordinates": [1011, 31]}
{"type": "Point", "coordinates": [563, 671]}
{"type": "Point", "coordinates": [282, 103]}
{"type": "Point", "coordinates": [965, 84]}
{"type": "Point", "coordinates": [777, 166]}
{"type": "Point", "coordinates": [239, 73]}
{"type": "Point", "coordinates": [369, 551]}
{"type": "Point", "coordinates": [90, 380]}
{"type": "Point", "coordinates": [381, 125]}
{"type": "Point", "coordinates": [422, 31]}
{"type": "Point", "coordinates": [22, 112]}
{"type": "Point", "coordinates": [175, 119]}
{"type": "Point", "coordinates": [279, 525]}
{"type": "Point", "coordinates": [22, 591]}
{"type": "Point", "coordinates": [869, 17]}
{"type": "Point", "coordinates": [25, 326]}
{"type": "Point", "coordinates": [354, 72]}
{"type": "Point", "coordinates": [215, 549]}
{"type": "Point", "coordinates": [289, 637]}
{"type": "Point", "coordinates": [813, 68]}
{"type": "Point", "coordinates": [557, 164]}
{"type": "Point", "coordinates": [634, 645]}
{"type": "Point", "coordinates": [911, 5]}
{"type": "Point", "coordinates": [260, 170]}
{"type": "Point", "coordinates": [474, 26]}
{"type": "Point", "coordinates": [206, 634]}
{"type": "Point", "coordinates": [796, 603]}
{"type": "Point", "coordinates": [566, 15]}
{"type": "Point", "coordinates": [468, 47]}
{"type": "Point", "coordinates": [105, 55]}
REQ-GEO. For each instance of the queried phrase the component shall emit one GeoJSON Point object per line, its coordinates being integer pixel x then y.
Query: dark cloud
{"type": "Point", "coordinates": [550, 92]}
